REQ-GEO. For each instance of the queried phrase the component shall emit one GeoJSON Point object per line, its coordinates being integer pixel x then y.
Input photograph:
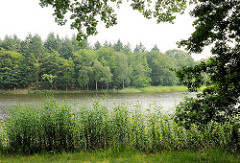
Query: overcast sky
{"type": "Point", "coordinates": [22, 17]}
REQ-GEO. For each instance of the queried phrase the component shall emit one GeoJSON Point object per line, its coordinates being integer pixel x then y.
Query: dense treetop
{"type": "Point", "coordinates": [61, 63]}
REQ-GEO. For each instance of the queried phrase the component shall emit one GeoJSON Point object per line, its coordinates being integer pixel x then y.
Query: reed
{"type": "Point", "coordinates": [54, 127]}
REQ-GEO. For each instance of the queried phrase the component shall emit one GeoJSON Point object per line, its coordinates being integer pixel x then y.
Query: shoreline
{"type": "Point", "coordinates": [150, 89]}
{"type": "Point", "coordinates": [133, 90]}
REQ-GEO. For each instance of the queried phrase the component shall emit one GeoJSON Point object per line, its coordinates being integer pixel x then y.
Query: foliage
{"type": "Point", "coordinates": [49, 78]}
{"type": "Point", "coordinates": [85, 15]}
{"type": "Point", "coordinates": [216, 24]}
{"type": "Point", "coordinates": [12, 71]}
{"type": "Point", "coordinates": [74, 66]}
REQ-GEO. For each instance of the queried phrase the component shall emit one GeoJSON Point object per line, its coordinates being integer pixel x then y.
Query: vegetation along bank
{"type": "Point", "coordinates": [54, 127]}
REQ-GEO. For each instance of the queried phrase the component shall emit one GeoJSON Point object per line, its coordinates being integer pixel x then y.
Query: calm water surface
{"type": "Point", "coordinates": [166, 101]}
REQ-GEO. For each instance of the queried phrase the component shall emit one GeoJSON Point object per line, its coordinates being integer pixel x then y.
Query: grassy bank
{"type": "Point", "coordinates": [150, 89]}
{"type": "Point", "coordinates": [206, 155]}
{"type": "Point", "coordinates": [153, 89]}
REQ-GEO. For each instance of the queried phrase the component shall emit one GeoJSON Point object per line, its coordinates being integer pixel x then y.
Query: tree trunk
{"type": "Point", "coordinates": [123, 83]}
{"type": "Point", "coordinates": [51, 87]}
{"type": "Point", "coordinates": [96, 85]}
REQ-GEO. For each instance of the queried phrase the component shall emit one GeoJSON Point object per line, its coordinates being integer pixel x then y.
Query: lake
{"type": "Point", "coordinates": [166, 101]}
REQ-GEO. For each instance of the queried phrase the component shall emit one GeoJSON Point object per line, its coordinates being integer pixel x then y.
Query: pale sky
{"type": "Point", "coordinates": [22, 17]}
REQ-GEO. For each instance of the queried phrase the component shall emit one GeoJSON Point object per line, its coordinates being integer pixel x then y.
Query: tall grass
{"type": "Point", "coordinates": [54, 127]}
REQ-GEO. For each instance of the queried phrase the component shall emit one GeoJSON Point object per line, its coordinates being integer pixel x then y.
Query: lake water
{"type": "Point", "coordinates": [165, 101]}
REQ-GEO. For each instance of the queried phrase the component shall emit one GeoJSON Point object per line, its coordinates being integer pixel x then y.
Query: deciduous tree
{"type": "Point", "coordinates": [86, 15]}
{"type": "Point", "coordinates": [217, 23]}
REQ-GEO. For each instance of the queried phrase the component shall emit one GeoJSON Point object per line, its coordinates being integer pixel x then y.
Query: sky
{"type": "Point", "coordinates": [22, 17]}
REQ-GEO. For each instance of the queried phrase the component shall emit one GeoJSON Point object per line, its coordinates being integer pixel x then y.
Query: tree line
{"type": "Point", "coordinates": [61, 63]}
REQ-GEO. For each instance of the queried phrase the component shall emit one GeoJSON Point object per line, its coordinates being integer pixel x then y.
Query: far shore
{"type": "Point", "coordinates": [150, 89]}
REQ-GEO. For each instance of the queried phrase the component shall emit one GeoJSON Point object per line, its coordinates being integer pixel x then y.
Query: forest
{"type": "Point", "coordinates": [61, 63]}
{"type": "Point", "coordinates": [207, 125]}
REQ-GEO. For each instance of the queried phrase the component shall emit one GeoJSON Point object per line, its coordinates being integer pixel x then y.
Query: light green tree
{"type": "Point", "coordinates": [97, 72]}
{"type": "Point", "coordinates": [83, 61]}
{"type": "Point", "coordinates": [11, 69]}
{"type": "Point", "coordinates": [124, 71]}
{"type": "Point", "coordinates": [50, 78]}
{"type": "Point", "coordinates": [84, 76]}
{"type": "Point", "coordinates": [106, 76]}
{"type": "Point", "coordinates": [101, 74]}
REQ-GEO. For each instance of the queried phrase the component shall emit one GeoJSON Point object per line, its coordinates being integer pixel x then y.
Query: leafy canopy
{"type": "Point", "coordinates": [86, 14]}
{"type": "Point", "coordinates": [216, 24]}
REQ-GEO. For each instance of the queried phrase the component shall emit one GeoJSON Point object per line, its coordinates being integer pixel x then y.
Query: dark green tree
{"type": "Point", "coordinates": [118, 46]}
{"type": "Point", "coordinates": [107, 57]}
{"type": "Point", "coordinates": [66, 50]}
{"type": "Point", "coordinates": [65, 74]}
{"type": "Point", "coordinates": [216, 23]}
{"type": "Point", "coordinates": [160, 65]}
{"type": "Point", "coordinates": [107, 44]}
{"type": "Point", "coordinates": [97, 45]}
{"type": "Point", "coordinates": [79, 45]}
{"type": "Point", "coordinates": [50, 65]}
{"type": "Point", "coordinates": [11, 43]}
{"type": "Point", "coordinates": [53, 43]}
{"type": "Point", "coordinates": [155, 48]}
{"type": "Point", "coordinates": [33, 51]}
{"type": "Point", "coordinates": [139, 48]}
{"type": "Point", "coordinates": [127, 48]}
